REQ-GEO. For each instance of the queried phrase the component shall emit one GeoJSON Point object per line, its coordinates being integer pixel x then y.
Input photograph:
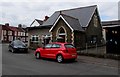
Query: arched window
{"type": "Point", "coordinates": [61, 30]}
{"type": "Point", "coordinates": [61, 36]}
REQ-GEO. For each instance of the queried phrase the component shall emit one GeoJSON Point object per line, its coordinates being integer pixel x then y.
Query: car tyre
{"type": "Point", "coordinates": [8, 49]}
{"type": "Point", "coordinates": [12, 50]}
{"type": "Point", "coordinates": [38, 55]}
{"type": "Point", "coordinates": [59, 58]}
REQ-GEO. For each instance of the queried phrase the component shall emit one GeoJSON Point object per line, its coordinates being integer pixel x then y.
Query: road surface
{"type": "Point", "coordinates": [26, 64]}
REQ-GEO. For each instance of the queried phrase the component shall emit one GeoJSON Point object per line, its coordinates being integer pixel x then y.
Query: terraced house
{"type": "Point", "coordinates": [79, 26]}
{"type": "Point", "coordinates": [9, 33]}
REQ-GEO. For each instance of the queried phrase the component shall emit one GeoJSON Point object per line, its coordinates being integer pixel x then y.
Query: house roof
{"type": "Point", "coordinates": [40, 22]}
{"type": "Point", "coordinates": [72, 23]}
{"type": "Point", "coordinates": [11, 28]}
{"type": "Point", "coordinates": [108, 23]}
{"type": "Point", "coordinates": [21, 29]}
{"type": "Point", "coordinates": [38, 27]}
{"type": "Point", "coordinates": [83, 14]}
{"type": "Point", "coordinates": [4, 27]}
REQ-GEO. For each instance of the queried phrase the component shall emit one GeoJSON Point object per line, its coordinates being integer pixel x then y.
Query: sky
{"type": "Point", "coordinates": [26, 11]}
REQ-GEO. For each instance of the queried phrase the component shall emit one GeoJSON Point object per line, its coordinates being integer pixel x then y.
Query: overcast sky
{"type": "Point", "coordinates": [25, 11]}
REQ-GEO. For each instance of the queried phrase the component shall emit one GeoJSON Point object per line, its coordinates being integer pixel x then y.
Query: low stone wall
{"type": "Point", "coordinates": [98, 52]}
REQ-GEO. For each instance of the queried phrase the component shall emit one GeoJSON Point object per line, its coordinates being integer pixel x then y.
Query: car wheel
{"type": "Point", "coordinates": [38, 55]}
{"type": "Point", "coordinates": [8, 49]}
{"type": "Point", "coordinates": [59, 58]}
{"type": "Point", "coordinates": [12, 50]}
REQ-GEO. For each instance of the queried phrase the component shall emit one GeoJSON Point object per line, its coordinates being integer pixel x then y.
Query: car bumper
{"type": "Point", "coordinates": [21, 50]}
{"type": "Point", "coordinates": [70, 56]}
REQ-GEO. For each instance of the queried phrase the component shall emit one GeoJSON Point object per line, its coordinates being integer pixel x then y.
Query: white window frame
{"type": "Point", "coordinates": [15, 33]}
{"type": "Point", "coordinates": [35, 37]}
{"type": "Point", "coordinates": [9, 32]}
{"type": "Point", "coordinates": [4, 32]}
{"type": "Point", "coordinates": [19, 33]}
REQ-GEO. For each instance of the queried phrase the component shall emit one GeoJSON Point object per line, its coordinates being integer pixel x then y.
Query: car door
{"type": "Point", "coordinates": [54, 49]}
{"type": "Point", "coordinates": [46, 50]}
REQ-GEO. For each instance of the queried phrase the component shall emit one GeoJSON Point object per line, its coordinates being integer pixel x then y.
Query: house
{"type": "Point", "coordinates": [10, 33]}
{"type": "Point", "coordinates": [6, 33]}
{"type": "Point", "coordinates": [23, 33]}
{"type": "Point", "coordinates": [0, 33]}
{"type": "Point", "coordinates": [79, 26]}
{"type": "Point", "coordinates": [38, 33]}
{"type": "Point", "coordinates": [111, 32]}
{"type": "Point", "coordinates": [36, 22]}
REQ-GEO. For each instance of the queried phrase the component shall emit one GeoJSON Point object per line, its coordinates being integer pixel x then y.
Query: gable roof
{"type": "Point", "coordinates": [40, 22]}
{"type": "Point", "coordinates": [83, 14]}
{"type": "Point", "coordinates": [72, 23]}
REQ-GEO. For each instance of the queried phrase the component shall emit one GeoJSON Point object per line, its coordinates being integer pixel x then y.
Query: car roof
{"type": "Point", "coordinates": [59, 43]}
{"type": "Point", "coordinates": [17, 41]}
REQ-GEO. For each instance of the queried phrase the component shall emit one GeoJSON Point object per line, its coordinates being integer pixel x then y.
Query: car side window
{"type": "Point", "coordinates": [69, 46]}
{"type": "Point", "coordinates": [48, 46]}
{"type": "Point", "coordinates": [56, 46]}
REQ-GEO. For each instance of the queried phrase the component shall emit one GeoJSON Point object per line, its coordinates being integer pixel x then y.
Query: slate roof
{"type": "Point", "coordinates": [5, 28]}
{"type": "Point", "coordinates": [108, 23]}
{"type": "Point", "coordinates": [38, 27]}
{"type": "Point", "coordinates": [83, 14]}
{"type": "Point", "coordinates": [12, 28]}
{"type": "Point", "coordinates": [39, 21]}
{"type": "Point", "coordinates": [73, 22]}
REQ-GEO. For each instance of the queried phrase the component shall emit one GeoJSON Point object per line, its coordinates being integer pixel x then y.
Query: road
{"type": "Point", "coordinates": [0, 59]}
{"type": "Point", "coordinates": [26, 64]}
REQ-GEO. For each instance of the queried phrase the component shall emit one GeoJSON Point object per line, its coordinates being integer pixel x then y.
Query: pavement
{"type": "Point", "coordinates": [96, 60]}
{"type": "Point", "coordinates": [100, 61]}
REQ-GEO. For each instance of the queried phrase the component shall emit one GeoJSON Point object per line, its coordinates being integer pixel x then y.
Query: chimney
{"type": "Point", "coordinates": [46, 17]}
{"type": "Point", "coordinates": [60, 12]}
{"type": "Point", "coordinates": [20, 26]}
{"type": "Point", "coordinates": [6, 24]}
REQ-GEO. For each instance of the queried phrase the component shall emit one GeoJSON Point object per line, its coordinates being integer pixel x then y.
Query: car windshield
{"type": "Point", "coordinates": [18, 43]}
{"type": "Point", "coordinates": [69, 46]}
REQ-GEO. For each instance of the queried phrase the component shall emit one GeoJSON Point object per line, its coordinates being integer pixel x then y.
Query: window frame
{"type": "Point", "coordinates": [36, 38]}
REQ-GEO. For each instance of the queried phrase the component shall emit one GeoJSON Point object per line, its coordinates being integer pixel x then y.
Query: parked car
{"type": "Point", "coordinates": [17, 46]}
{"type": "Point", "coordinates": [58, 51]}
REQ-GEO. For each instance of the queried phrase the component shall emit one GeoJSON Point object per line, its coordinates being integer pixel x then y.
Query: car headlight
{"type": "Point", "coordinates": [15, 47]}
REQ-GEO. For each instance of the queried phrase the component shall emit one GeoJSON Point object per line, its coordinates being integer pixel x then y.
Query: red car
{"type": "Point", "coordinates": [58, 51]}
